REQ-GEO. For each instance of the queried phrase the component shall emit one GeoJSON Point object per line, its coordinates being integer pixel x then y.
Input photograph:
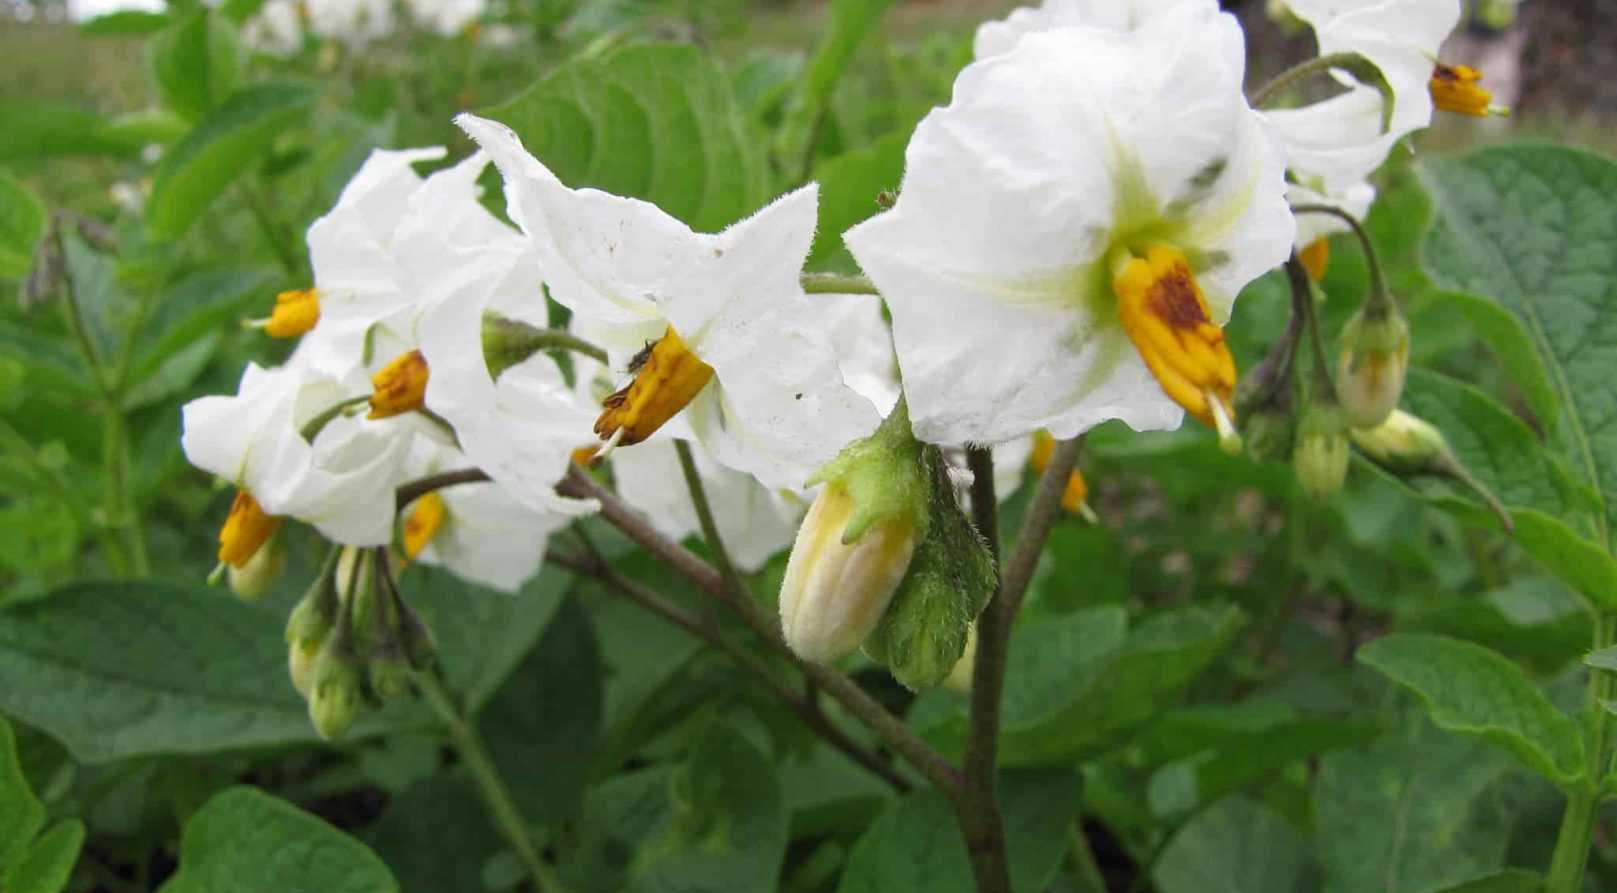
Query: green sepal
{"type": "Point", "coordinates": [316, 613]}
{"type": "Point", "coordinates": [1269, 434]}
{"type": "Point", "coordinates": [885, 475]}
{"type": "Point", "coordinates": [950, 580]}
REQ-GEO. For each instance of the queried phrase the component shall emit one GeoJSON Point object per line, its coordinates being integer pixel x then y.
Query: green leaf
{"type": "Point", "coordinates": [916, 843]}
{"type": "Point", "coordinates": [1575, 561]}
{"type": "Point", "coordinates": [132, 669]}
{"type": "Point", "coordinates": [436, 836]}
{"type": "Point", "coordinates": [1469, 689]}
{"type": "Point", "coordinates": [1236, 845]}
{"type": "Point", "coordinates": [48, 864]}
{"type": "Point", "coordinates": [849, 21]}
{"type": "Point", "coordinates": [181, 337]}
{"type": "Point", "coordinates": [98, 301]}
{"type": "Point", "coordinates": [245, 840]}
{"type": "Point", "coordinates": [1535, 228]}
{"type": "Point", "coordinates": [849, 186]}
{"type": "Point", "coordinates": [30, 129]}
{"type": "Point", "coordinates": [1513, 881]}
{"type": "Point", "coordinates": [714, 822]}
{"type": "Point", "coordinates": [1419, 810]}
{"type": "Point", "coordinates": [200, 167]}
{"type": "Point", "coordinates": [125, 23]}
{"type": "Point", "coordinates": [196, 63]}
{"type": "Point", "coordinates": [1060, 710]}
{"type": "Point", "coordinates": [21, 815]}
{"type": "Point", "coordinates": [654, 122]}
{"type": "Point", "coordinates": [1533, 620]}
{"type": "Point", "coordinates": [548, 713]}
{"type": "Point", "coordinates": [22, 224]}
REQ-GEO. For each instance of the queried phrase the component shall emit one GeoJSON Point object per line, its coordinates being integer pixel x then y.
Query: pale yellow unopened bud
{"type": "Point", "coordinates": [253, 579]}
{"type": "Point", "coordinates": [300, 664]}
{"type": "Point", "coordinates": [966, 667]}
{"type": "Point", "coordinates": [1370, 369]}
{"type": "Point", "coordinates": [1321, 463]}
{"type": "Point", "coordinates": [1403, 441]}
{"type": "Point", "coordinates": [834, 592]}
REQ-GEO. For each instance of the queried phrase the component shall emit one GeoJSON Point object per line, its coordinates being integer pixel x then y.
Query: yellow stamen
{"type": "Point", "coordinates": [670, 377]}
{"type": "Point", "coordinates": [1076, 495]}
{"type": "Point", "coordinates": [584, 455]}
{"type": "Point", "coordinates": [1315, 257]}
{"type": "Point", "coordinates": [246, 529]}
{"type": "Point", "coordinates": [1458, 89]}
{"type": "Point", "coordinates": [295, 312]}
{"type": "Point", "coordinates": [400, 386]}
{"type": "Point", "coordinates": [1165, 314]}
{"type": "Point", "coordinates": [425, 520]}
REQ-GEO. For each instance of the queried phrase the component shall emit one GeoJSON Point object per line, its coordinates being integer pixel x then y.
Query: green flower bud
{"type": "Point", "coordinates": [335, 695]}
{"type": "Point", "coordinates": [1371, 366]}
{"type": "Point", "coordinates": [253, 579]}
{"type": "Point", "coordinates": [1320, 457]}
{"type": "Point", "coordinates": [300, 659]}
{"type": "Point", "coordinates": [966, 667]}
{"type": "Point", "coordinates": [508, 342]}
{"type": "Point", "coordinates": [389, 672]}
{"type": "Point", "coordinates": [1269, 434]}
{"type": "Point", "coordinates": [923, 634]}
{"type": "Point", "coordinates": [1404, 443]}
{"type": "Point", "coordinates": [855, 545]}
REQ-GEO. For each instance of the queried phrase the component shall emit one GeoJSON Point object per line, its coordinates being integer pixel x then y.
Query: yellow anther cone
{"type": "Point", "coordinates": [246, 529]}
{"type": "Point", "coordinates": [1165, 314]}
{"type": "Point", "coordinates": [426, 518]}
{"type": "Point", "coordinates": [400, 386]}
{"type": "Point", "coordinates": [295, 313]}
{"type": "Point", "coordinates": [669, 378]}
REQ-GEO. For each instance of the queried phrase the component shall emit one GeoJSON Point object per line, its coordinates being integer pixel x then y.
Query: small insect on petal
{"type": "Point", "coordinates": [665, 380]}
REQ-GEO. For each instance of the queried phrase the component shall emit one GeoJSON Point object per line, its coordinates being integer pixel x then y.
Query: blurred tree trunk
{"type": "Point", "coordinates": [1569, 62]}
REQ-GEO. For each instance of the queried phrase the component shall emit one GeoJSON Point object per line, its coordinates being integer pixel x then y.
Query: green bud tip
{"type": "Point", "coordinates": [1320, 457]}
{"type": "Point", "coordinates": [1372, 365]}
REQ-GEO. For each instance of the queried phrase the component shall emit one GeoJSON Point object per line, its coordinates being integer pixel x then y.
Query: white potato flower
{"type": "Point", "coordinates": [1072, 230]}
{"type": "Point", "coordinates": [447, 17]}
{"type": "Point", "coordinates": [342, 482]}
{"type": "Point", "coordinates": [353, 22]}
{"type": "Point", "coordinates": [477, 531]}
{"type": "Point", "coordinates": [1002, 36]}
{"type": "Point", "coordinates": [714, 324]}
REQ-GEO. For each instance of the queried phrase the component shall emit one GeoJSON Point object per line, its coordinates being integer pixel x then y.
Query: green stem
{"type": "Point", "coordinates": [1322, 387]}
{"type": "Point", "coordinates": [704, 516]}
{"type": "Point", "coordinates": [120, 502]}
{"type": "Point", "coordinates": [1378, 299]}
{"type": "Point", "coordinates": [835, 284]}
{"type": "Point", "coordinates": [496, 796]}
{"type": "Point", "coordinates": [1578, 821]}
{"type": "Point", "coordinates": [410, 491]}
{"type": "Point", "coordinates": [1268, 93]}
{"type": "Point", "coordinates": [312, 428]}
{"type": "Point", "coordinates": [977, 807]}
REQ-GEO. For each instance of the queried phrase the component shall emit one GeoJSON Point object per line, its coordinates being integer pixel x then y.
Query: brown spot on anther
{"type": "Point", "coordinates": [1173, 299]}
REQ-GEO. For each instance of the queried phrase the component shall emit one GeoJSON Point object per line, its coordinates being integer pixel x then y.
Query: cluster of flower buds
{"type": "Point", "coordinates": [887, 559]}
{"type": "Point", "coordinates": [353, 640]}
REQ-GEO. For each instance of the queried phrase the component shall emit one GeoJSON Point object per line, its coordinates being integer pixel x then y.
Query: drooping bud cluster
{"type": "Point", "coordinates": [886, 558]}
{"type": "Point", "coordinates": [353, 640]}
{"type": "Point", "coordinates": [1320, 456]}
{"type": "Point", "coordinates": [1372, 363]}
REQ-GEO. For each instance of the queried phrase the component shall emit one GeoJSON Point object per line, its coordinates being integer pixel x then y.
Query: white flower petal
{"type": "Point", "coordinates": [994, 38]}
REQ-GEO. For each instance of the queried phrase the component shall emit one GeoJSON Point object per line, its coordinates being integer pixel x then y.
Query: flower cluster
{"type": "Point", "coordinates": [1071, 233]}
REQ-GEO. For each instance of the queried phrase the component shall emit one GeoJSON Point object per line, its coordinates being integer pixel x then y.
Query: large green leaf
{"type": "Point", "coordinates": [436, 835]}
{"type": "Point", "coordinates": [21, 815]}
{"type": "Point", "coordinates": [32, 129]}
{"type": "Point", "coordinates": [1469, 689]}
{"type": "Point", "coordinates": [99, 303]}
{"type": "Point", "coordinates": [916, 843]}
{"type": "Point", "coordinates": [248, 841]}
{"type": "Point", "coordinates": [129, 669]}
{"type": "Point", "coordinates": [548, 714]}
{"type": "Point", "coordinates": [200, 167]}
{"type": "Point", "coordinates": [184, 332]}
{"type": "Point", "coordinates": [22, 224]}
{"type": "Point", "coordinates": [1236, 845]}
{"type": "Point", "coordinates": [714, 823]}
{"type": "Point", "coordinates": [196, 63]}
{"type": "Point", "coordinates": [48, 864]}
{"type": "Point", "coordinates": [654, 122]}
{"type": "Point", "coordinates": [1535, 228]}
{"type": "Point", "coordinates": [850, 185]}
{"type": "Point", "coordinates": [1420, 810]}
{"type": "Point", "coordinates": [1513, 881]}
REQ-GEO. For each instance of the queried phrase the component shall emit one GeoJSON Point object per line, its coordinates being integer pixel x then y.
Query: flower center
{"type": "Point", "coordinates": [1315, 257]}
{"type": "Point", "coordinates": [400, 386]}
{"type": "Point", "coordinates": [1165, 314]}
{"type": "Point", "coordinates": [246, 529]}
{"type": "Point", "coordinates": [295, 312]}
{"type": "Point", "coordinates": [1458, 88]}
{"type": "Point", "coordinates": [665, 380]}
{"type": "Point", "coordinates": [426, 518]}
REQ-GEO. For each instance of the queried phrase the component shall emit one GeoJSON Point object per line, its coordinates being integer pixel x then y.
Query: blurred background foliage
{"type": "Point", "coordinates": [1248, 751]}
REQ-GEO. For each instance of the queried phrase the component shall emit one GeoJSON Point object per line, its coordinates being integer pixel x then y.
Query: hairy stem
{"type": "Point", "coordinates": [1378, 297]}
{"type": "Point", "coordinates": [888, 727]}
{"type": "Point", "coordinates": [1577, 822]}
{"type": "Point", "coordinates": [1268, 93]}
{"type": "Point", "coordinates": [469, 745]}
{"type": "Point", "coordinates": [978, 807]}
{"type": "Point", "coordinates": [411, 491]}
